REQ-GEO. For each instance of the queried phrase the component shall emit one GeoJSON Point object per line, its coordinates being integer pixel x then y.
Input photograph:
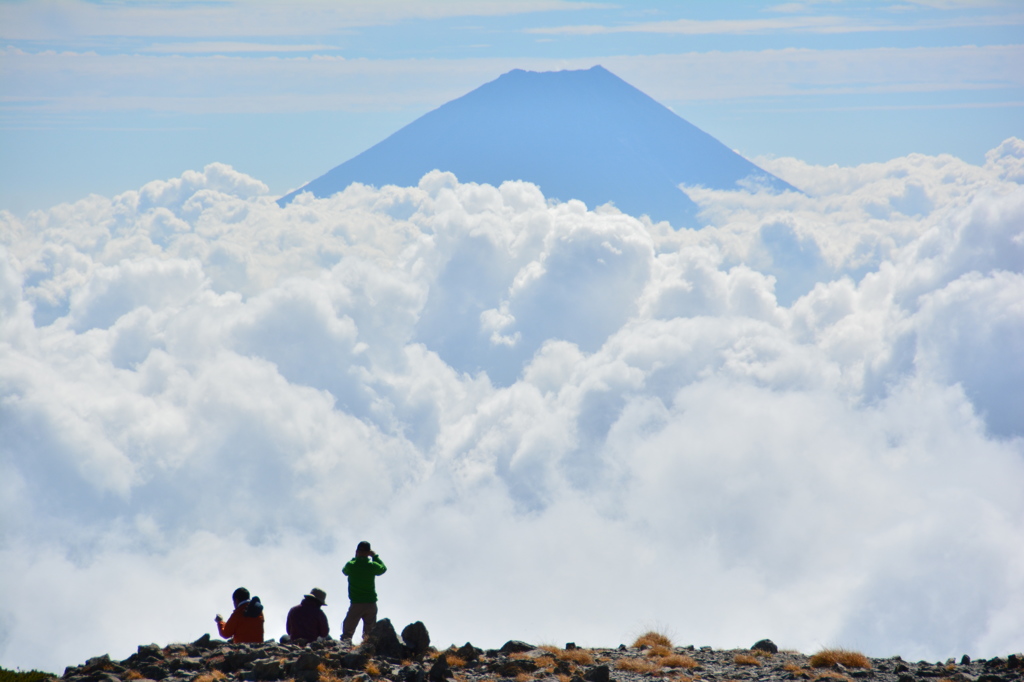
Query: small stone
{"type": "Point", "coordinates": [599, 673]}
{"type": "Point", "coordinates": [469, 653]}
{"type": "Point", "coordinates": [570, 646]}
{"type": "Point", "coordinates": [412, 673]}
{"type": "Point", "coordinates": [153, 672]}
{"type": "Point", "coordinates": [440, 671]}
{"type": "Point", "coordinates": [514, 646]}
{"type": "Point", "coordinates": [354, 661]}
{"type": "Point", "coordinates": [965, 660]}
{"type": "Point", "coordinates": [307, 660]}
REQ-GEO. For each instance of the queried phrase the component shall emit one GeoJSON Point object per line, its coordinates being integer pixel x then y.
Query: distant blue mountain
{"type": "Point", "coordinates": [584, 135]}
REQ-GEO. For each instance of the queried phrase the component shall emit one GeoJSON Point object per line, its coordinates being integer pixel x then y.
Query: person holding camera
{"type": "Point", "coordinates": [362, 571]}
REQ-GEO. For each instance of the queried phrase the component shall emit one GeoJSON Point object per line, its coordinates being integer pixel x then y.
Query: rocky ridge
{"type": "Point", "coordinates": [386, 657]}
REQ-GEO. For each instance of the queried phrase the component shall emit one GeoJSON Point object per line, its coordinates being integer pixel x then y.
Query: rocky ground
{"type": "Point", "coordinates": [386, 657]}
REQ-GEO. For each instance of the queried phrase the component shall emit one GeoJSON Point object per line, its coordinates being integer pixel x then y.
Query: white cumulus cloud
{"type": "Point", "coordinates": [802, 421]}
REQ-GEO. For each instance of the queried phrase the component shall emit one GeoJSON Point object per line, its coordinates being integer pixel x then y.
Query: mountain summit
{"type": "Point", "coordinates": [585, 135]}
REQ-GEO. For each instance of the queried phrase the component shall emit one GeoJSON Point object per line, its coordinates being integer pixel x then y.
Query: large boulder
{"type": "Point", "coordinates": [416, 638]}
{"type": "Point", "coordinates": [383, 641]}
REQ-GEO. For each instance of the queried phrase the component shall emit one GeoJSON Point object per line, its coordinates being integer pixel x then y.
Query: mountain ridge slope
{"type": "Point", "coordinates": [586, 135]}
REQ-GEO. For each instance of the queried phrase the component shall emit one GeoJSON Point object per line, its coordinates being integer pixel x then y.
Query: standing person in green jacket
{"type": "Point", "coordinates": [362, 592]}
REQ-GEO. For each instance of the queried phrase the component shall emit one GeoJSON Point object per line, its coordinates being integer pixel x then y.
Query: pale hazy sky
{"type": "Point", "coordinates": [105, 96]}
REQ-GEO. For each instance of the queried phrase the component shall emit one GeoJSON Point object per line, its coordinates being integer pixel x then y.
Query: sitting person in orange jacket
{"type": "Point", "coordinates": [245, 625]}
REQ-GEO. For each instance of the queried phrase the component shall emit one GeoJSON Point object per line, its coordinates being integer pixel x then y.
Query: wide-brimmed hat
{"type": "Point", "coordinates": [319, 595]}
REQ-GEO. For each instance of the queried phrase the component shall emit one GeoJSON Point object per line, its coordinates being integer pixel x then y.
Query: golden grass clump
{"type": "Point", "coordinates": [745, 659]}
{"type": "Point", "coordinates": [454, 661]}
{"type": "Point", "coordinates": [761, 653]}
{"type": "Point", "coordinates": [562, 677]}
{"type": "Point", "coordinates": [579, 656]}
{"type": "Point", "coordinates": [372, 669]}
{"type": "Point", "coordinates": [659, 650]}
{"type": "Point", "coordinates": [213, 676]}
{"type": "Point", "coordinates": [826, 658]}
{"type": "Point", "coordinates": [795, 670]}
{"type": "Point", "coordinates": [523, 677]}
{"type": "Point", "coordinates": [678, 661]}
{"type": "Point", "coordinates": [133, 675]}
{"type": "Point", "coordinates": [638, 665]}
{"type": "Point", "coordinates": [652, 638]}
{"type": "Point", "coordinates": [325, 675]}
{"type": "Point", "coordinates": [832, 675]}
{"type": "Point", "coordinates": [545, 662]}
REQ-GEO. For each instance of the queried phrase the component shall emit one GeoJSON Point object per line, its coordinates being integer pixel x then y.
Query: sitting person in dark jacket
{"type": "Point", "coordinates": [245, 624]}
{"type": "Point", "coordinates": [307, 621]}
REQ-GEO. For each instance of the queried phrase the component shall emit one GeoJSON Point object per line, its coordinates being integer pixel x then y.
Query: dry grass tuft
{"type": "Point", "coordinates": [546, 662]}
{"type": "Point", "coordinates": [832, 675]}
{"type": "Point", "coordinates": [659, 650]}
{"type": "Point", "coordinates": [325, 675]}
{"type": "Point", "coordinates": [795, 670]}
{"type": "Point", "coordinates": [523, 677]}
{"type": "Point", "coordinates": [745, 659]}
{"type": "Point", "coordinates": [372, 669]}
{"type": "Point", "coordinates": [133, 675]}
{"type": "Point", "coordinates": [454, 661]}
{"type": "Point", "coordinates": [579, 656]}
{"type": "Point", "coordinates": [679, 661]}
{"type": "Point", "coordinates": [826, 658]}
{"type": "Point", "coordinates": [638, 665]}
{"type": "Point", "coordinates": [761, 653]}
{"type": "Point", "coordinates": [652, 638]}
{"type": "Point", "coordinates": [561, 677]}
{"type": "Point", "coordinates": [213, 676]}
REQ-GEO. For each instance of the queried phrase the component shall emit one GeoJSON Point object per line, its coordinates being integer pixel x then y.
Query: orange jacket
{"type": "Point", "coordinates": [242, 629]}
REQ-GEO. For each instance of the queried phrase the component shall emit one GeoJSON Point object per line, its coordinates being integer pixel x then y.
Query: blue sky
{"type": "Point", "coordinates": [801, 421]}
{"type": "Point", "coordinates": [101, 97]}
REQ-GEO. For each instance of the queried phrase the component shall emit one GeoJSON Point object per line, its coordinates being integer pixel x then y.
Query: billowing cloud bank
{"type": "Point", "coordinates": [803, 421]}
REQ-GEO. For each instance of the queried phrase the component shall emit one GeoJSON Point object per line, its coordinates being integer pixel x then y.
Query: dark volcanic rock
{"type": "Point", "coordinates": [469, 653]}
{"type": "Point", "coordinates": [514, 646]}
{"type": "Point", "coordinates": [440, 670]}
{"type": "Point", "coordinates": [765, 645]}
{"type": "Point", "coordinates": [599, 673]}
{"type": "Point", "coordinates": [416, 637]}
{"type": "Point", "coordinates": [206, 660]}
{"type": "Point", "coordinates": [383, 641]}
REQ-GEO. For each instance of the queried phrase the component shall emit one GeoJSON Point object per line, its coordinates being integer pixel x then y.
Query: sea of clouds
{"type": "Point", "coordinates": [804, 421]}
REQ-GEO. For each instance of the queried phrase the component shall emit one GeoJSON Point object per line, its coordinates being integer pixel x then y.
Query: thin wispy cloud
{"type": "Point", "coordinates": [804, 24]}
{"type": "Point", "coordinates": [229, 47]}
{"type": "Point", "coordinates": [82, 19]}
{"type": "Point", "coordinates": [237, 83]}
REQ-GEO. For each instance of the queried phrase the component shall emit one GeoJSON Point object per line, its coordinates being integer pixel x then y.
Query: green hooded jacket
{"type": "Point", "coordinates": [361, 572]}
